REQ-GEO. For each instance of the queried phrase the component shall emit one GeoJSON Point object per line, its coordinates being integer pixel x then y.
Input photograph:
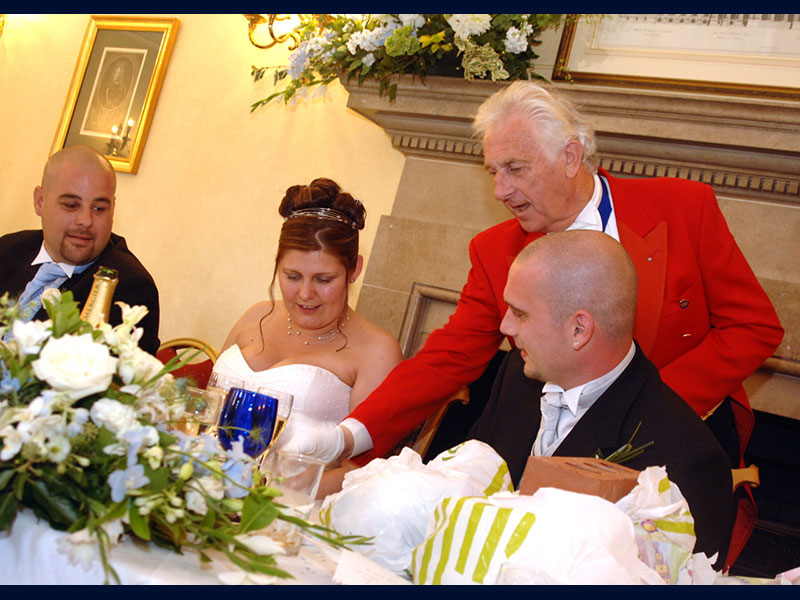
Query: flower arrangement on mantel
{"type": "Point", "coordinates": [385, 46]}
{"type": "Point", "coordinates": [83, 412]}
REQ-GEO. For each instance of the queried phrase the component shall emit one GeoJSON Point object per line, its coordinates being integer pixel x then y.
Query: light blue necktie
{"type": "Point", "coordinates": [552, 404]}
{"type": "Point", "coordinates": [49, 275]}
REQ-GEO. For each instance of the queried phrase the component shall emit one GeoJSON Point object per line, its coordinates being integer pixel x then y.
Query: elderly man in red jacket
{"type": "Point", "coordinates": [702, 316]}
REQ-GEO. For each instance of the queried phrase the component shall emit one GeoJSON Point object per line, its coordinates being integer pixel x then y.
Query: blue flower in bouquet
{"type": "Point", "coordinates": [131, 478]}
{"type": "Point", "coordinates": [239, 470]}
{"type": "Point", "coordinates": [8, 383]}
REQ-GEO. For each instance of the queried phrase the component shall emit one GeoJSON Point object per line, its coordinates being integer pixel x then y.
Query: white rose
{"type": "Point", "coordinates": [114, 415]}
{"type": "Point", "coordinates": [31, 335]}
{"type": "Point", "coordinates": [75, 365]}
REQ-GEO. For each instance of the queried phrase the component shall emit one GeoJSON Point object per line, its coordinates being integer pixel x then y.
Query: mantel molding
{"type": "Point", "coordinates": [744, 147]}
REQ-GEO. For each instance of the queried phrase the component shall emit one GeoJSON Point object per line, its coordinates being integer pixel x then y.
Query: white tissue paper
{"type": "Point", "coordinates": [663, 525]}
{"type": "Point", "coordinates": [552, 537]}
{"type": "Point", "coordinates": [392, 499]}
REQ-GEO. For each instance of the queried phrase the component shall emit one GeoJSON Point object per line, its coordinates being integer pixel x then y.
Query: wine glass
{"type": "Point", "coordinates": [284, 410]}
{"type": "Point", "coordinates": [249, 415]}
{"type": "Point", "coordinates": [220, 383]}
{"type": "Point", "coordinates": [200, 413]}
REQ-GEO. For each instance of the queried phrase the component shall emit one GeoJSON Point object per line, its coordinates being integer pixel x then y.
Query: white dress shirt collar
{"type": "Point", "coordinates": [589, 218]}
{"type": "Point", "coordinates": [44, 257]}
{"type": "Point", "coordinates": [578, 400]}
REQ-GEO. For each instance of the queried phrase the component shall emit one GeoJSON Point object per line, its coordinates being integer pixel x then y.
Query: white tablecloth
{"type": "Point", "coordinates": [29, 555]}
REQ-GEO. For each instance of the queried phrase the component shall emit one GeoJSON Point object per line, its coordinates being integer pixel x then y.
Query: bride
{"type": "Point", "coordinates": [311, 344]}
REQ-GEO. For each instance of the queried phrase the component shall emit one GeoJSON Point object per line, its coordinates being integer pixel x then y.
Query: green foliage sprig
{"type": "Point", "coordinates": [625, 452]}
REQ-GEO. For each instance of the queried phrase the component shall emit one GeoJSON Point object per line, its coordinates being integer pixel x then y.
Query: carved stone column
{"type": "Point", "coordinates": [747, 149]}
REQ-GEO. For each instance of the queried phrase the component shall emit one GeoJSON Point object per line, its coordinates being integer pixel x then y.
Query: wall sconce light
{"type": "Point", "coordinates": [2, 24]}
{"type": "Point", "coordinates": [276, 37]}
{"type": "Point", "coordinates": [119, 140]}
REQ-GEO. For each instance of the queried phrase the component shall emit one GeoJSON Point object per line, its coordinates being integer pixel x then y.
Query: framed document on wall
{"type": "Point", "coordinates": [751, 55]}
{"type": "Point", "coordinates": [115, 87]}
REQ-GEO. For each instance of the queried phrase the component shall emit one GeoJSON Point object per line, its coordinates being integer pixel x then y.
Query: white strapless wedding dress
{"type": "Point", "coordinates": [317, 392]}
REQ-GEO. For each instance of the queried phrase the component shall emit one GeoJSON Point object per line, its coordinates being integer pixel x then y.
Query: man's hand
{"type": "Point", "coordinates": [306, 435]}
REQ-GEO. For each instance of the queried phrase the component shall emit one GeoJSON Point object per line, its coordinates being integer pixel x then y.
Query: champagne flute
{"type": "Point", "coordinates": [219, 384]}
{"type": "Point", "coordinates": [284, 410]}
{"type": "Point", "coordinates": [202, 408]}
{"type": "Point", "coordinates": [249, 415]}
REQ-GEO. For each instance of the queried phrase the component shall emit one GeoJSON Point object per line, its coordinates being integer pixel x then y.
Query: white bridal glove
{"type": "Point", "coordinates": [306, 435]}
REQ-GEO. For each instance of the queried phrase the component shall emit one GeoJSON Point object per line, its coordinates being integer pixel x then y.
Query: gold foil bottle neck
{"type": "Point", "coordinates": [98, 304]}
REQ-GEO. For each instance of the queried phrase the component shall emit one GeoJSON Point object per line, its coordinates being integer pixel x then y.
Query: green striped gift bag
{"type": "Point", "coordinates": [563, 536]}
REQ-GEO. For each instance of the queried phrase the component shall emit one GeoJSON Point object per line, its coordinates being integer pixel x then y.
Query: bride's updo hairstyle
{"type": "Point", "coordinates": [320, 216]}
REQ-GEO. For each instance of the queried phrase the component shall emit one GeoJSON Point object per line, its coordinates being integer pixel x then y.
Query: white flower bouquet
{"type": "Point", "coordinates": [83, 415]}
{"type": "Point", "coordinates": [384, 46]}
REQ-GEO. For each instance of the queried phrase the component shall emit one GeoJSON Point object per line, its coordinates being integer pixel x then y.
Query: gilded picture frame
{"type": "Point", "coordinates": [744, 55]}
{"type": "Point", "coordinates": [115, 87]}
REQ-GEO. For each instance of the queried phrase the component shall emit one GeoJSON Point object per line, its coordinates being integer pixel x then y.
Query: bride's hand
{"type": "Point", "coordinates": [306, 435]}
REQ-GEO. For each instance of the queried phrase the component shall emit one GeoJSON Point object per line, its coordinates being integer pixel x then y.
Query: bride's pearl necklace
{"type": "Point", "coordinates": [319, 339]}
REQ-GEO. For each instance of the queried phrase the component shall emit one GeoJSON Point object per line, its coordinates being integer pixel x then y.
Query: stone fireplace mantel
{"type": "Point", "coordinates": [748, 149]}
{"type": "Point", "coordinates": [743, 146]}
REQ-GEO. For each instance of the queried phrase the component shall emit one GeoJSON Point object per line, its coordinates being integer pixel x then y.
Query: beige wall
{"type": "Point", "coordinates": [201, 213]}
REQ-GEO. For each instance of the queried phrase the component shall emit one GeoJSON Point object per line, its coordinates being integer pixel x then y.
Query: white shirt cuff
{"type": "Point", "coordinates": [362, 441]}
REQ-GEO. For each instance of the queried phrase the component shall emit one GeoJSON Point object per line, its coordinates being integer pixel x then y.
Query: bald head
{"type": "Point", "coordinates": [586, 270]}
{"type": "Point", "coordinates": [571, 301]}
{"type": "Point", "coordinates": [76, 204]}
{"type": "Point", "coordinates": [80, 156]}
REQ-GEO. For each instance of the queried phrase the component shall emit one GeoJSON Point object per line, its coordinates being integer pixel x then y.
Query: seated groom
{"type": "Point", "coordinates": [578, 383]}
{"type": "Point", "coordinates": [76, 204]}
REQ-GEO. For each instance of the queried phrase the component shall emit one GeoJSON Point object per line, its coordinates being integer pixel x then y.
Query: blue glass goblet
{"type": "Point", "coordinates": [249, 415]}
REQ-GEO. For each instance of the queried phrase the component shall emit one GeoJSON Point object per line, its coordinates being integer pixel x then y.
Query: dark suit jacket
{"type": "Point", "coordinates": [683, 444]}
{"type": "Point", "coordinates": [135, 287]}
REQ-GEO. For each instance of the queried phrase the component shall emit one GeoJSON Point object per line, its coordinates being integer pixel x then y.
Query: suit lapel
{"type": "Point", "coordinates": [645, 239]}
{"type": "Point", "coordinates": [649, 256]}
{"type": "Point", "coordinates": [18, 278]}
{"type": "Point", "coordinates": [599, 428]}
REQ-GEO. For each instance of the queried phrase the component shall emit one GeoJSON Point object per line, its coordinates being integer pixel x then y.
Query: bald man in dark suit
{"type": "Point", "coordinates": [572, 303]}
{"type": "Point", "coordinates": [76, 202]}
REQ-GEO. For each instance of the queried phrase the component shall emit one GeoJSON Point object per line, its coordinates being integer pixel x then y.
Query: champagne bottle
{"type": "Point", "coordinates": [98, 304]}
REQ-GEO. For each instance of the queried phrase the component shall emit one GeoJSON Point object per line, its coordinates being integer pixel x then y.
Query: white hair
{"type": "Point", "coordinates": [558, 119]}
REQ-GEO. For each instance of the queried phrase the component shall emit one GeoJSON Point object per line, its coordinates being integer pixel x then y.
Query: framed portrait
{"type": "Point", "coordinates": [115, 87]}
{"type": "Point", "coordinates": [750, 55]}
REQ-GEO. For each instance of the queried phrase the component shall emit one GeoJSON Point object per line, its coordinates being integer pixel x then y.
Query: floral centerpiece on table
{"type": "Point", "coordinates": [500, 46]}
{"type": "Point", "coordinates": [84, 446]}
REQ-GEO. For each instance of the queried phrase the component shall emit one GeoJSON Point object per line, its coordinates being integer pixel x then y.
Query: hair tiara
{"type": "Point", "coordinates": [323, 213]}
